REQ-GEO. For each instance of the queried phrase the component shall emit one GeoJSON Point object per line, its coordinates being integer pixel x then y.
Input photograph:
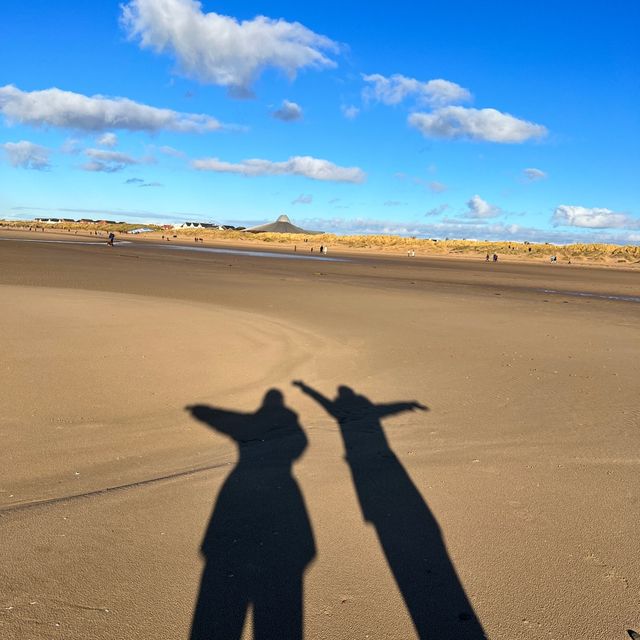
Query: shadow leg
{"type": "Point", "coordinates": [278, 611]}
{"type": "Point", "coordinates": [221, 608]}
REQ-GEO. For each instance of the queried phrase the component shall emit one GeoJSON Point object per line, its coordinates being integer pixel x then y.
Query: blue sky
{"type": "Point", "coordinates": [473, 120]}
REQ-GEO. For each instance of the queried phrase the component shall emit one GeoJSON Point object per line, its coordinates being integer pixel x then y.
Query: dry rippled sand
{"type": "Point", "coordinates": [461, 459]}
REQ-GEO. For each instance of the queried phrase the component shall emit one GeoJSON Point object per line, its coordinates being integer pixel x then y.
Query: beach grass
{"type": "Point", "coordinates": [589, 253]}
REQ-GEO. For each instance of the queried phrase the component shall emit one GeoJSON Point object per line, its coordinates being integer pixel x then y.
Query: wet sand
{"type": "Point", "coordinates": [509, 497]}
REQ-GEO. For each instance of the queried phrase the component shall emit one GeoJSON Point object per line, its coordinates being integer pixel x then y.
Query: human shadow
{"type": "Point", "coordinates": [407, 530]}
{"type": "Point", "coordinates": [259, 540]}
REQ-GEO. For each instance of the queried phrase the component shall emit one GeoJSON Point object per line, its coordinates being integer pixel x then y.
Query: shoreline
{"type": "Point", "coordinates": [249, 243]}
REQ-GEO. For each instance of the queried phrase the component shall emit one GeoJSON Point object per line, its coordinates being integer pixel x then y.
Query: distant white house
{"type": "Point", "coordinates": [196, 225]}
{"type": "Point", "coordinates": [206, 225]}
{"type": "Point", "coordinates": [53, 220]}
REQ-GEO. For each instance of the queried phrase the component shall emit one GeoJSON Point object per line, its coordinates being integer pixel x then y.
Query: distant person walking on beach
{"type": "Point", "coordinates": [495, 257]}
{"type": "Point", "coordinates": [112, 237]}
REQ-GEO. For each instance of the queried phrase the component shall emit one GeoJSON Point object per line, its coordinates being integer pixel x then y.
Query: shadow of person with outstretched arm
{"type": "Point", "coordinates": [259, 540]}
{"type": "Point", "coordinates": [408, 532]}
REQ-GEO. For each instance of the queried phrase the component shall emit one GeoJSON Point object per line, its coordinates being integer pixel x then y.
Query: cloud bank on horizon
{"type": "Point", "coordinates": [453, 129]}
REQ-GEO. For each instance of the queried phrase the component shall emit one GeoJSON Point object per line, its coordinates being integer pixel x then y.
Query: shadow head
{"type": "Point", "coordinates": [346, 393]}
{"type": "Point", "coordinates": [273, 399]}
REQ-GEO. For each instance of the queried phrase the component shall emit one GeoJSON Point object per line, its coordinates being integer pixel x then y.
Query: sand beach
{"type": "Point", "coordinates": [340, 447]}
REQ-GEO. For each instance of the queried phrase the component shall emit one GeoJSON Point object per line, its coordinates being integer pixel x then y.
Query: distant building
{"type": "Point", "coordinates": [49, 220]}
{"type": "Point", "coordinates": [204, 225]}
{"type": "Point", "coordinates": [196, 225]}
{"type": "Point", "coordinates": [281, 225]}
{"type": "Point", "coordinates": [54, 220]}
{"type": "Point", "coordinates": [140, 230]}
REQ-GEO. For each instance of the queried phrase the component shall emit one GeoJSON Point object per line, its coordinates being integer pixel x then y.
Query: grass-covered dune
{"type": "Point", "coordinates": [575, 253]}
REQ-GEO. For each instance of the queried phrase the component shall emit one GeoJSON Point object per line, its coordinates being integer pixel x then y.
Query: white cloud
{"type": "Point", "coordinates": [432, 185]}
{"type": "Point", "coordinates": [307, 166]}
{"type": "Point", "coordinates": [71, 146]}
{"type": "Point", "coordinates": [480, 209]}
{"type": "Point", "coordinates": [437, 187]}
{"type": "Point", "coordinates": [475, 124]}
{"type": "Point", "coordinates": [436, 211]}
{"type": "Point", "coordinates": [108, 140]}
{"type": "Point", "coordinates": [350, 112]}
{"type": "Point", "coordinates": [303, 198]}
{"type": "Point", "coordinates": [111, 156]}
{"type": "Point", "coordinates": [592, 218]}
{"type": "Point", "coordinates": [170, 151]}
{"type": "Point", "coordinates": [104, 161]}
{"type": "Point", "coordinates": [218, 49]}
{"type": "Point", "coordinates": [533, 175]}
{"type": "Point", "coordinates": [395, 89]}
{"type": "Point", "coordinates": [27, 155]}
{"type": "Point", "coordinates": [68, 110]}
{"type": "Point", "coordinates": [95, 166]}
{"type": "Point", "coordinates": [288, 112]}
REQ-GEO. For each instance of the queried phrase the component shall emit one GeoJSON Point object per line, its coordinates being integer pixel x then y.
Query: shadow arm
{"type": "Point", "coordinates": [383, 410]}
{"type": "Point", "coordinates": [323, 401]}
{"type": "Point", "coordinates": [223, 421]}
